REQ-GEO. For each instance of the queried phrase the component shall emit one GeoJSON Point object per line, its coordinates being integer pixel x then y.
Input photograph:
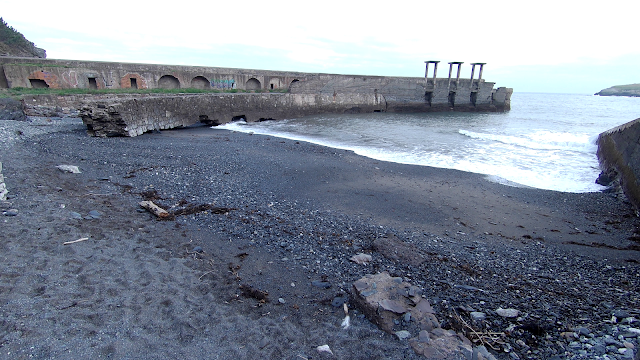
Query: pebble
{"type": "Point", "coordinates": [583, 331]}
{"type": "Point", "coordinates": [198, 249]}
{"type": "Point", "coordinates": [69, 168]}
{"type": "Point", "coordinates": [75, 215]}
{"type": "Point", "coordinates": [11, 212]}
{"type": "Point", "coordinates": [403, 334]}
{"type": "Point", "coordinates": [281, 300]}
{"type": "Point", "coordinates": [507, 313]}
{"type": "Point", "coordinates": [321, 284]}
{"type": "Point", "coordinates": [93, 214]}
{"type": "Point", "coordinates": [477, 315]}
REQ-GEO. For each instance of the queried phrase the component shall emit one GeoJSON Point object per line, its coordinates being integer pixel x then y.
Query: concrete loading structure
{"type": "Point", "coordinates": [296, 94]}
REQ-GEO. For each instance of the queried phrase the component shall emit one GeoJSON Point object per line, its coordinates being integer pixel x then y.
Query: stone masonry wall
{"type": "Point", "coordinates": [619, 157]}
{"type": "Point", "coordinates": [65, 74]}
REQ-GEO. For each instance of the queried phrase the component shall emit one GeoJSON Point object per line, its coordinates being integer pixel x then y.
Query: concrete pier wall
{"type": "Point", "coordinates": [134, 116]}
{"type": "Point", "coordinates": [296, 94]}
{"type": "Point", "coordinates": [619, 157]}
{"type": "Point", "coordinates": [70, 74]}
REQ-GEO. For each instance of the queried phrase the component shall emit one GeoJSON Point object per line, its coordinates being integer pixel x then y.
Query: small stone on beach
{"type": "Point", "coordinates": [361, 258]}
{"type": "Point", "coordinates": [69, 169]}
{"type": "Point", "coordinates": [507, 313]}
{"type": "Point", "coordinates": [11, 212]}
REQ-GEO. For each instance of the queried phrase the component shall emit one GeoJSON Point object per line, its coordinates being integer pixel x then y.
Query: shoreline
{"type": "Point", "coordinates": [296, 213]}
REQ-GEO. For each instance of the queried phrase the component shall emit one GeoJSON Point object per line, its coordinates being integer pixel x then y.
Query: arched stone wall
{"type": "Point", "coordinates": [134, 81]}
{"type": "Point", "coordinates": [253, 84]}
{"type": "Point", "coordinates": [168, 82]}
{"type": "Point", "coordinates": [200, 82]}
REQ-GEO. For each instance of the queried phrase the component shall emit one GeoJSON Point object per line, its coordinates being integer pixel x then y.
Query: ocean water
{"type": "Point", "coordinates": [546, 141]}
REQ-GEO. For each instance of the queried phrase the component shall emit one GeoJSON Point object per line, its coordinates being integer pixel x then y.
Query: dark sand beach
{"type": "Point", "coordinates": [283, 218]}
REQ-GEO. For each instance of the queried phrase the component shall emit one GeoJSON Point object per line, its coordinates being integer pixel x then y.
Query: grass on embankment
{"type": "Point", "coordinates": [19, 92]}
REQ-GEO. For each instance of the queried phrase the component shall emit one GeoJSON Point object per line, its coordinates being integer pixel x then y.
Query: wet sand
{"type": "Point", "coordinates": [294, 213]}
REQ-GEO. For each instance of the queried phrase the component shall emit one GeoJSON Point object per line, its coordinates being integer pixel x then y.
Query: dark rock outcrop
{"type": "Point", "coordinates": [11, 109]}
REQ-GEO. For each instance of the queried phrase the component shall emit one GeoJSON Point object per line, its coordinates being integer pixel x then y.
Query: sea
{"type": "Point", "coordinates": [546, 141]}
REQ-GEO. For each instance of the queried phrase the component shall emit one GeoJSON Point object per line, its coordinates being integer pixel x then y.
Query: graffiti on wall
{"type": "Point", "coordinates": [223, 83]}
{"type": "Point", "coordinates": [107, 79]}
{"type": "Point", "coordinates": [71, 78]}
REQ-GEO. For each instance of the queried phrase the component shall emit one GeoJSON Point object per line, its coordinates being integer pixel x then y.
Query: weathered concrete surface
{"type": "Point", "coordinates": [70, 74]}
{"type": "Point", "coordinates": [404, 94]}
{"type": "Point", "coordinates": [134, 116]}
{"type": "Point", "coordinates": [619, 157]}
{"type": "Point", "coordinates": [384, 300]}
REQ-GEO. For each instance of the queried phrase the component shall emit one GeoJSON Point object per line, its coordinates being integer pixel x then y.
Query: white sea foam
{"type": "Point", "coordinates": [540, 143]}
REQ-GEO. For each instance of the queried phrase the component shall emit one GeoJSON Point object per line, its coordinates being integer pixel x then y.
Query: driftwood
{"type": "Point", "coordinates": [155, 209]}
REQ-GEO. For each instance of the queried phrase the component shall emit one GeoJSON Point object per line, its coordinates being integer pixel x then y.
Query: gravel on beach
{"type": "Point", "coordinates": [255, 260]}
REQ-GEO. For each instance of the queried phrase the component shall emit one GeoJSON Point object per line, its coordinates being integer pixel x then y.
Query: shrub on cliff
{"type": "Point", "coordinates": [13, 43]}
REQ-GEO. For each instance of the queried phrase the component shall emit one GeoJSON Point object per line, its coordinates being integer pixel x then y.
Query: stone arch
{"type": "Point", "coordinates": [133, 81]}
{"type": "Point", "coordinates": [43, 79]}
{"type": "Point", "coordinates": [253, 84]}
{"type": "Point", "coordinates": [200, 82]}
{"type": "Point", "coordinates": [293, 82]}
{"type": "Point", "coordinates": [168, 82]}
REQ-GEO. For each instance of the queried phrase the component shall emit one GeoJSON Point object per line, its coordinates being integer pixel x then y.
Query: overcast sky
{"type": "Point", "coordinates": [531, 46]}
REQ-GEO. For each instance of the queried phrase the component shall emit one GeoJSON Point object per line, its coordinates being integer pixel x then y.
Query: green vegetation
{"type": "Point", "coordinates": [13, 43]}
{"type": "Point", "coordinates": [627, 87]}
{"type": "Point", "coordinates": [11, 36]}
{"type": "Point", "coordinates": [19, 92]}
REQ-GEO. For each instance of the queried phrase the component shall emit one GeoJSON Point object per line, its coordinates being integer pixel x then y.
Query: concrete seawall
{"type": "Point", "coordinates": [134, 116]}
{"type": "Point", "coordinates": [619, 157]}
{"type": "Point", "coordinates": [297, 94]}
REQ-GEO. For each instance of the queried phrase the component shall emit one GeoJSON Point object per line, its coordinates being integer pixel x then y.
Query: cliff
{"type": "Point", "coordinates": [621, 90]}
{"type": "Point", "coordinates": [13, 43]}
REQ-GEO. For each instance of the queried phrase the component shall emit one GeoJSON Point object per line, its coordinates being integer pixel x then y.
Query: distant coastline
{"type": "Point", "coordinates": [621, 90]}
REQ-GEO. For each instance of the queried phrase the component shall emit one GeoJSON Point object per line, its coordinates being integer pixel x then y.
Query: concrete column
{"type": "Point", "coordinates": [459, 63]}
{"type": "Point", "coordinates": [473, 67]}
{"type": "Point", "coordinates": [435, 71]}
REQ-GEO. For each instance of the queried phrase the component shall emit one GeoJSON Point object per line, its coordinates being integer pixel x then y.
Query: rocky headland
{"type": "Point", "coordinates": [621, 90]}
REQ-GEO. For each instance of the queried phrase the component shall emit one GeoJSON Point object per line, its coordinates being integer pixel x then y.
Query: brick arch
{"type": "Point", "coordinates": [126, 81]}
{"type": "Point", "coordinates": [49, 78]}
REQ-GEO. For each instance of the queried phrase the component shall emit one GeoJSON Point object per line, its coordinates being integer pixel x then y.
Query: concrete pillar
{"type": "Point", "coordinates": [473, 68]}
{"type": "Point", "coordinates": [435, 71]}
{"type": "Point", "coordinates": [459, 63]}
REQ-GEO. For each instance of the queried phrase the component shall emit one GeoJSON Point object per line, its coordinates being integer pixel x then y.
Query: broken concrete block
{"type": "Point", "coordinates": [383, 299]}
